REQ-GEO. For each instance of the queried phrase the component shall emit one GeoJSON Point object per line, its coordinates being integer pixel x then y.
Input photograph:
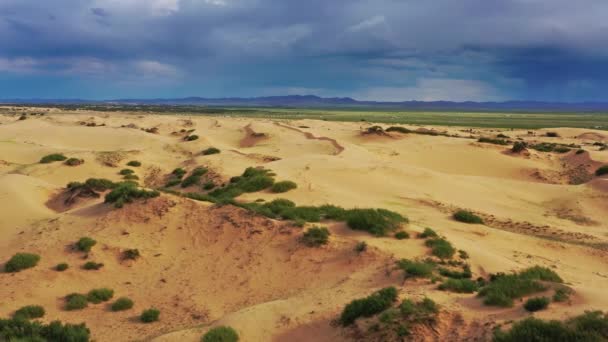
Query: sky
{"type": "Point", "coordinates": [383, 50]}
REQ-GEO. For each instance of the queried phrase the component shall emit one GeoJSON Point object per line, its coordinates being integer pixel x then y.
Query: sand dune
{"type": "Point", "coordinates": [204, 265]}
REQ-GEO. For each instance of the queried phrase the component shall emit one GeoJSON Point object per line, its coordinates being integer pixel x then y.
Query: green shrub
{"type": "Point", "coordinates": [191, 180]}
{"type": "Point", "coordinates": [211, 150]}
{"type": "Point", "coordinates": [361, 247]}
{"type": "Point", "coordinates": [424, 311]}
{"type": "Point", "coordinates": [398, 129]}
{"type": "Point", "coordinates": [74, 162]}
{"type": "Point", "coordinates": [173, 182]}
{"type": "Point", "coordinates": [402, 235]}
{"type": "Point", "coordinates": [221, 334]}
{"type": "Point", "coordinates": [581, 151]}
{"type": "Point", "coordinates": [76, 301]}
{"type": "Point", "coordinates": [602, 170]}
{"type": "Point", "coordinates": [121, 304]}
{"type": "Point", "coordinates": [134, 163]}
{"type": "Point", "coordinates": [441, 248]}
{"type": "Point", "coordinates": [316, 236]}
{"type": "Point", "coordinates": [131, 177]}
{"type": "Point", "coordinates": [52, 158]}
{"type": "Point", "coordinates": [493, 141]}
{"type": "Point", "coordinates": [99, 184]}
{"type": "Point", "coordinates": [91, 265]}
{"type": "Point", "coordinates": [416, 269]}
{"type": "Point", "coordinates": [467, 217]}
{"type": "Point", "coordinates": [459, 285]}
{"type": "Point", "coordinates": [519, 146]}
{"type": "Point", "coordinates": [125, 172]}
{"type": "Point", "coordinates": [503, 288]}
{"type": "Point", "coordinates": [368, 306]}
{"type": "Point", "coordinates": [191, 137]}
{"type": "Point", "coordinates": [85, 244]}
{"type": "Point", "coordinates": [283, 186]}
{"type": "Point", "coordinates": [131, 254]}
{"type": "Point", "coordinates": [127, 192]}
{"type": "Point", "coordinates": [561, 149]}
{"type": "Point", "coordinates": [463, 254]}
{"type": "Point", "coordinates": [179, 172]}
{"type": "Point", "coordinates": [61, 267]}
{"type": "Point", "coordinates": [464, 274]}
{"type": "Point", "coordinates": [29, 312]}
{"type": "Point", "coordinates": [97, 296]}
{"type": "Point", "coordinates": [562, 294]}
{"type": "Point", "coordinates": [375, 221]}
{"type": "Point", "coordinates": [150, 315]}
{"type": "Point", "coordinates": [590, 326]}
{"type": "Point", "coordinates": [21, 261]}
{"type": "Point", "coordinates": [208, 185]}
{"type": "Point", "coordinates": [428, 233]}
{"type": "Point", "coordinates": [536, 304]}
{"type": "Point", "coordinates": [18, 329]}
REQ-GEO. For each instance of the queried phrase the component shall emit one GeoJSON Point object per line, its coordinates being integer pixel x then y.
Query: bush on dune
{"type": "Point", "coordinates": [402, 235]}
{"type": "Point", "coordinates": [416, 269]}
{"type": "Point", "coordinates": [210, 151]}
{"type": "Point", "coordinates": [221, 334]}
{"type": "Point", "coordinates": [459, 285]}
{"type": "Point", "coordinates": [127, 192]}
{"type": "Point", "coordinates": [590, 326]}
{"type": "Point", "coordinates": [428, 233]}
{"type": "Point", "coordinates": [21, 261]}
{"type": "Point", "coordinates": [536, 304]}
{"type": "Point", "coordinates": [376, 221]}
{"type": "Point", "coordinates": [134, 163]}
{"type": "Point", "coordinates": [18, 329]}
{"type": "Point", "coordinates": [467, 217]}
{"type": "Point", "coordinates": [316, 236]}
{"type": "Point", "coordinates": [76, 301]}
{"type": "Point", "coordinates": [85, 244]}
{"type": "Point", "coordinates": [52, 158]}
{"type": "Point", "coordinates": [92, 266]}
{"type": "Point", "coordinates": [61, 267]}
{"type": "Point", "coordinates": [150, 315]}
{"type": "Point", "coordinates": [368, 306]}
{"type": "Point", "coordinates": [97, 296]}
{"type": "Point", "coordinates": [29, 312]}
{"type": "Point", "coordinates": [74, 162]}
{"type": "Point", "coordinates": [602, 170]}
{"type": "Point", "coordinates": [283, 186]}
{"type": "Point", "coordinates": [121, 304]}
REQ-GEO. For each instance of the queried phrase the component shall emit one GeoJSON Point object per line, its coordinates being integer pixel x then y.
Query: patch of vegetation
{"type": "Point", "coordinates": [61, 267]}
{"type": "Point", "coordinates": [18, 329]}
{"type": "Point", "coordinates": [552, 134]}
{"type": "Point", "coordinates": [316, 236]}
{"type": "Point", "coordinates": [441, 248]}
{"type": "Point", "coordinates": [121, 304]}
{"type": "Point", "coordinates": [420, 312]}
{"type": "Point", "coordinates": [398, 129]}
{"type": "Point", "coordinates": [581, 151]}
{"type": "Point", "coordinates": [191, 137]}
{"type": "Point", "coordinates": [504, 288]}
{"type": "Point", "coordinates": [194, 178]}
{"type": "Point", "coordinates": [211, 150]}
{"type": "Point", "coordinates": [252, 180]}
{"type": "Point", "coordinates": [602, 170]}
{"type": "Point", "coordinates": [179, 172]}
{"type": "Point", "coordinates": [368, 306]}
{"type": "Point", "coordinates": [29, 312]}
{"type": "Point", "coordinates": [52, 158]}
{"type": "Point", "coordinates": [428, 233]}
{"type": "Point", "coordinates": [553, 147]}
{"type": "Point", "coordinates": [74, 161]}
{"type": "Point", "coordinates": [375, 221]}
{"type": "Point", "coordinates": [562, 294]}
{"type": "Point", "coordinates": [463, 254]}
{"type": "Point", "coordinates": [208, 185]}
{"type": "Point", "coordinates": [590, 326]}
{"type": "Point", "coordinates": [361, 247]}
{"type": "Point", "coordinates": [131, 254]}
{"type": "Point", "coordinates": [150, 315]}
{"type": "Point", "coordinates": [134, 163]}
{"type": "Point", "coordinates": [76, 301]}
{"type": "Point", "coordinates": [97, 296]}
{"type": "Point", "coordinates": [459, 285]}
{"type": "Point", "coordinates": [127, 192]}
{"type": "Point", "coordinates": [519, 146]}
{"type": "Point", "coordinates": [402, 235]}
{"type": "Point", "coordinates": [92, 266]}
{"type": "Point", "coordinates": [125, 172]}
{"type": "Point", "coordinates": [173, 182]}
{"type": "Point", "coordinates": [92, 184]}
{"type": "Point", "coordinates": [21, 261]}
{"type": "Point", "coordinates": [416, 269]}
{"type": "Point", "coordinates": [536, 304]}
{"type": "Point", "coordinates": [464, 274]}
{"type": "Point", "coordinates": [85, 244]}
{"type": "Point", "coordinates": [221, 334]}
{"type": "Point", "coordinates": [283, 186]}
{"type": "Point", "coordinates": [467, 217]}
{"type": "Point", "coordinates": [131, 177]}
{"type": "Point", "coordinates": [494, 141]}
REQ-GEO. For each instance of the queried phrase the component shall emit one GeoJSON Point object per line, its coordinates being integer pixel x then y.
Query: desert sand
{"type": "Point", "coordinates": [202, 265]}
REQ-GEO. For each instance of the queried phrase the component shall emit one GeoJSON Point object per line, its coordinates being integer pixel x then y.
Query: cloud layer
{"type": "Point", "coordinates": [381, 49]}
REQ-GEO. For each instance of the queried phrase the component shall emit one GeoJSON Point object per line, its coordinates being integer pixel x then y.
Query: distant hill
{"type": "Point", "coordinates": [311, 101]}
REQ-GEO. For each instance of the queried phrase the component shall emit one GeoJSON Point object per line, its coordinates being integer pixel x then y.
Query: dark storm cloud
{"type": "Point", "coordinates": [498, 49]}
